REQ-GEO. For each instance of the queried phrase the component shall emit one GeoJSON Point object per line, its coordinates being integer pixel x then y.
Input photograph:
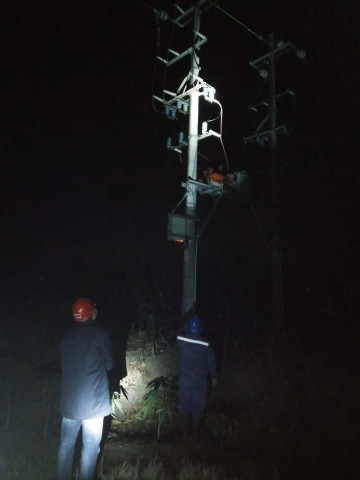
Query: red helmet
{"type": "Point", "coordinates": [82, 309]}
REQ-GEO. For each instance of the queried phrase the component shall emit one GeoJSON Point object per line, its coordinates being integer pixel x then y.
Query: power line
{"type": "Point", "coordinates": [147, 5]}
{"type": "Point", "coordinates": [259, 37]}
{"type": "Point", "coordinates": [163, 16]}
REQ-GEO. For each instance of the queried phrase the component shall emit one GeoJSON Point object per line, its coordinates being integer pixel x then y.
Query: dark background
{"type": "Point", "coordinates": [87, 182]}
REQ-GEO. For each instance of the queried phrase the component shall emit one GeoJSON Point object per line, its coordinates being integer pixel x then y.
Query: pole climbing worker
{"type": "Point", "coordinates": [197, 364]}
{"type": "Point", "coordinates": [86, 359]}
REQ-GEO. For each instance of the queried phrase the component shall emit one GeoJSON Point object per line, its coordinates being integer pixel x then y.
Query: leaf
{"type": "Point", "coordinates": [156, 383]}
{"type": "Point", "coordinates": [124, 392]}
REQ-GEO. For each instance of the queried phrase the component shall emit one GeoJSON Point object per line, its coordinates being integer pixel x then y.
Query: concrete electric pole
{"type": "Point", "coordinates": [190, 251]}
{"type": "Point", "coordinates": [265, 66]}
{"type": "Point", "coordinates": [184, 227]}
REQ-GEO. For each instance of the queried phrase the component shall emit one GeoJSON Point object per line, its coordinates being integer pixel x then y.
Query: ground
{"type": "Point", "coordinates": [268, 418]}
{"type": "Point", "coordinates": [272, 416]}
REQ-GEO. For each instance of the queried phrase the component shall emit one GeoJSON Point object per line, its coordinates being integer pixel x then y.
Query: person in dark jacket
{"type": "Point", "coordinates": [197, 364]}
{"type": "Point", "coordinates": [86, 359]}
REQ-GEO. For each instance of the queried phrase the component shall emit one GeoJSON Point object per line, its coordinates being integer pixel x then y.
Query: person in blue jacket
{"type": "Point", "coordinates": [86, 359]}
{"type": "Point", "coordinates": [197, 365]}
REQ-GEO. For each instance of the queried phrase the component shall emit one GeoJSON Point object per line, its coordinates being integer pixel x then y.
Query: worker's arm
{"type": "Point", "coordinates": [107, 351]}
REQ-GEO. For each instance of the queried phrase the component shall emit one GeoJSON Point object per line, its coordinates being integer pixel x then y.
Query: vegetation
{"type": "Point", "coordinates": [151, 469]}
{"type": "Point", "coordinates": [26, 454]}
{"type": "Point", "coordinates": [190, 471]}
{"type": "Point", "coordinates": [294, 411]}
{"type": "Point", "coordinates": [141, 469]}
{"type": "Point", "coordinates": [161, 401]}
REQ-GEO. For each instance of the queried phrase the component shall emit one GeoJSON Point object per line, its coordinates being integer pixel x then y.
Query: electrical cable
{"type": "Point", "coordinates": [147, 5]}
{"type": "Point", "coordinates": [155, 64]}
{"type": "Point", "coordinates": [213, 119]}
{"type": "Point", "coordinates": [167, 56]}
{"type": "Point", "coordinates": [177, 206]}
{"type": "Point", "coordinates": [158, 31]}
{"type": "Point", "coordinates": [159, 15]}
{"type": "Point", "coordinates": [204, 156]}
{"type": "Point", "coordinates": [259, 225]}
{"type": "Point", "coordinates": [259, 37]}
{"type": "Point", "coordinates": [255, 117]}
{"type": "Point", "coordinates": [180, 157]}
{"type": "Point", "coordinates": [209, 214]}
{"type": "Point", "coordinates": [221, 139]}
{"type": "Point", "coordinates": [295, 106]}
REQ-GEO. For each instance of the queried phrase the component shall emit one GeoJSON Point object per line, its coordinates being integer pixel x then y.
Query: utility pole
{"type": "Point", "coordinates": [265, 66]}
{"type": "Point", "coordinates": [277, 291]}
{"type": "Point", "coordinates": [185, 227]}
{"type": "Point", "coordinates": [190, 251]}
{"type": "Point", "coordinates": [185, 101]}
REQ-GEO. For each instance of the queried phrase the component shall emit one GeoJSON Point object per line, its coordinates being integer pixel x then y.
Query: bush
{"type": "Point", "coordinates": [160, 402]}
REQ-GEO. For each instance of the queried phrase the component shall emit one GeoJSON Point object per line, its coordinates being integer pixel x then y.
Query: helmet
{"type": "Point", "coordinates": [82, 309]}
{"type": "Point", "coordinates": [194, 325]}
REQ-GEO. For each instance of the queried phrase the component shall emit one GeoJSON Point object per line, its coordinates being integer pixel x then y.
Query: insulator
{"type": "Point", "coordinates": [204, 128]}
{"type": "Point", "coordinates": [185, 107]}
{"type": "Point", "coordinates": [173, 112]}
{"type": "Point", "coordinates": [161, 14]}
{"type": "Point", "coordinates": [301, 54]}
{"type": "Point", "coordinates": [167, 109]}
{"type": "Point", "coordinates": [263, 73]}
{"type": "Point", "coordinates": [181, 137]}
{"type": "Point", "coordinates": [211, 94]}
{"type": "Point", "coordinates": [168, 143]}
{"type": "Point", "coordinates": [179, 104]}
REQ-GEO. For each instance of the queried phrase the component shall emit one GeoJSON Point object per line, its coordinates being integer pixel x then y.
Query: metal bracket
{"type": "Point", "coordinates": [178, 56]}
{"type": "Point", "coordinates": [265, 103]}
{"type": "Point", "coordinates": [281, 48]}
{"type": "Point", "coordinates": [262, 137]}
{"type": "Point", "coordinates": [205, 188]}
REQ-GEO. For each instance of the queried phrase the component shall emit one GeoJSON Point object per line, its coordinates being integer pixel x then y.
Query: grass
{"type": "Point", "coordinates": [190, 471]}
{"type": "Point", "coordinates": [141, 469]}
{"type": "Point", "coordinates": [26, 455]}
{"type": "Point", "coordinates": [151, 469]}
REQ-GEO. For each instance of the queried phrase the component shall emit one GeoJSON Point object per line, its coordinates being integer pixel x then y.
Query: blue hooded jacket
{"type": "Point", "coordinates": [86, 357]}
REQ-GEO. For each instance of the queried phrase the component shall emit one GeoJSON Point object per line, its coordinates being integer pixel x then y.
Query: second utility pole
{"type": "Point", "coordinates": [277, 296]}
{"type": "Point", "coordinates": [265, 65]}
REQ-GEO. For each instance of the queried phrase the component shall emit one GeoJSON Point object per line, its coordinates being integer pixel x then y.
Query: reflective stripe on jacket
{"type": "Point", "coordinates": [197, 359]}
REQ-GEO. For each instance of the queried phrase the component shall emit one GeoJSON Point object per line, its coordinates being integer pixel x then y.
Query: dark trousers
{"type": "Point", "coordinates": [193, 398]}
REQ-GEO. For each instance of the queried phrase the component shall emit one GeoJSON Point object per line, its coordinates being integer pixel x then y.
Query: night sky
{"type": "Point", "coordinates": [87, 182]}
